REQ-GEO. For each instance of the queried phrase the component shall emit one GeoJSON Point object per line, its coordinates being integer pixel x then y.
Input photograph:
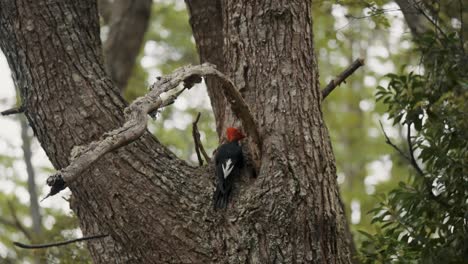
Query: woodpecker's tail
{"type": "Point", "coordinates": [221, 199]}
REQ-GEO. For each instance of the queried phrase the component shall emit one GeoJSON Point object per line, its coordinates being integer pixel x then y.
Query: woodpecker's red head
{"type": "Point", "coordinates": [234, 134]}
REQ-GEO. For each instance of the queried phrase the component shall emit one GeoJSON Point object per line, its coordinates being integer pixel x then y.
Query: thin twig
{"type": "Point", "coordinates": [342, 77]}
{"type": "Point", "coordinates": [411, 151]}
{"type": "Point", "coordinates": [12, 111]}
{"type": "Point", "coordinates": [198, 144]}
{"type": "Point", "coordinates": [21, 245]}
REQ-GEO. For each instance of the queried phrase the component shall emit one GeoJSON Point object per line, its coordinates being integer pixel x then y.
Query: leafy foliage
{"type": "Point", "coordinates": [425, 220]}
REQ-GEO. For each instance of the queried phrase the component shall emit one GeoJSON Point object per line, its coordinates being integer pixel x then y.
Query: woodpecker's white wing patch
{"type": "Point", "coordinates": [227, 168]}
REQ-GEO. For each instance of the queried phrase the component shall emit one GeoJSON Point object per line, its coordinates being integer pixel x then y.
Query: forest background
{"type": "Point", "coordinates": [369, 169]}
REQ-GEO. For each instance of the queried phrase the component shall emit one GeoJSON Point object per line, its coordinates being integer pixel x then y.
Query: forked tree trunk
{"type": "Point", "coordinates": [157, 208]}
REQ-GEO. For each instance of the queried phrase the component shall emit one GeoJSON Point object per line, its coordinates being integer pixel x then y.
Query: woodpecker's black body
{"type": "Point", "coordinates": [229, 162]}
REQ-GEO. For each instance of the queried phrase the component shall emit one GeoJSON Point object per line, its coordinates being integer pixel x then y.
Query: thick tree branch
{"type": "Point", "coordinates": [198, 144]}
{"type": "Point", "coordinates": [136, 116]}
{"type": "Point", "coordinates": [63, 243]}
{"type": "Point", "coordinates": [342, 77]}
{"type": "Point", "coordinates": [128, 21]}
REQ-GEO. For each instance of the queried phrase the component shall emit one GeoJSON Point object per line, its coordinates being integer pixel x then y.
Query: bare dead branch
{"type": "Point", "coordinates": [21, 245]}
{"type": "Point", "coordinates": [342, 77]}
{"type": "Point", "coordinates": [198, 144]}
{"type": "Point", "coordinates": [12, 111]}
{"type": "Point", "coordinates": [136, 115]}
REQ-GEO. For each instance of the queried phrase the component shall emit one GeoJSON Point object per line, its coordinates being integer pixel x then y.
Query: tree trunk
{"type": "Point", "coordinates": [156, 208]}
{"type": "Point", "coordinates": [128, 21]}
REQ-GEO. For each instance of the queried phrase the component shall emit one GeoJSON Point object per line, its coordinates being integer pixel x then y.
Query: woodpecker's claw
{"type": "Point", "coordinates": [56, 184]}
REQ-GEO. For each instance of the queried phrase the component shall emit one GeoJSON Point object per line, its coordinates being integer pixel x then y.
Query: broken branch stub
{"type": "Point", "coordinates": [342, 77]}
{"type": "Point", "coordinates": [136, 116]}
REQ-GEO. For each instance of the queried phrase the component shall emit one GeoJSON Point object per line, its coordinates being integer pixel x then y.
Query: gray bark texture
{"type": "Point", "coordinates": [155, 207]}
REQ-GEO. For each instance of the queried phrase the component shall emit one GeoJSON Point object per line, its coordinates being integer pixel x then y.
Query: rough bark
{"type": "Point", "coordinates": [155, 207]}
{"type": "Point", "coordinates": [128, 22]}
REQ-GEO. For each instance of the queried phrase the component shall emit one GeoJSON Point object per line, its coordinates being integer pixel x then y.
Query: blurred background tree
{"type": "Point", "coordinates": [344, 30]}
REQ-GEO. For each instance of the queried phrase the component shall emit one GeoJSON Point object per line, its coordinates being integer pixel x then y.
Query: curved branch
{"type": "Point", "coordinates": [136, 115]}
